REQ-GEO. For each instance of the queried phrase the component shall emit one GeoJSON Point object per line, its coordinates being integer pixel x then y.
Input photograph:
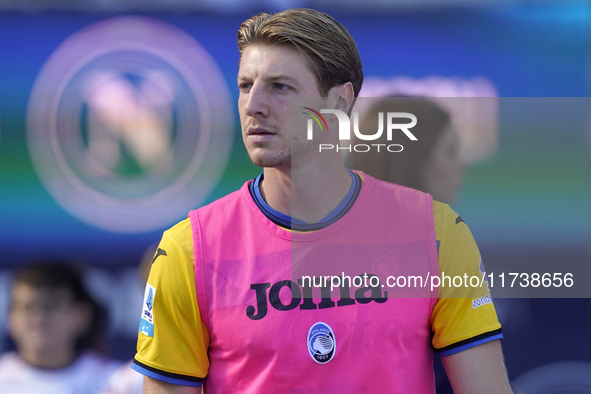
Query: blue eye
{"type": "Point", "coordinates": [244, 86]}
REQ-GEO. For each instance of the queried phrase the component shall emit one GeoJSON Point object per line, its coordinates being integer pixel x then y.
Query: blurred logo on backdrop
{"type": "Point", "coordinates": [130, 124]}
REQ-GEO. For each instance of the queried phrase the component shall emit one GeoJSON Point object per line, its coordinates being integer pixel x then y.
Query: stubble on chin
{"type": "Point", "coordinates": [270, 160]}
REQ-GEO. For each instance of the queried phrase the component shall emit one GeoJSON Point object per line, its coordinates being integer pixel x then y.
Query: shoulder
{"type": "Point", "coordinates": [380, 185]}
{"type": "Point", "coordinates": [8, 357]}
{"type": "Point", "coordinates": [96, 363]}
{"type": "Point", "coordinates": [448, 224]}
{"type": "Point", "coordinates": [445, 213]}
{"type": "Point", "coordinates": [224, 211]}
{"type": "Point", "coordinates": [225, 202]}
{"type": "Point", "coordinates": [181, 234]}
{"type": "Point", "coordinates": [457, 250]}
{"type": "Point", "coordinates": [10, 361]}
{"type": "Point", "coordinates": [175, 251]}
{"type": "Point", "coordinates": [94, 369]}
{"type": "Point", "coordinates": [16, 375]}
{"type": "Point", "coordinates": [382, 192]}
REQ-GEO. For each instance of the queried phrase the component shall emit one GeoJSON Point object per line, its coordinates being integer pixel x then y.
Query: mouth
{"type": "Point", "coordinates": [259, 131]}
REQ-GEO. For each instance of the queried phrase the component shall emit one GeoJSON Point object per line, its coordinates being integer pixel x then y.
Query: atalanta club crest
{"type": "Point", "coordinates": [321, 343]}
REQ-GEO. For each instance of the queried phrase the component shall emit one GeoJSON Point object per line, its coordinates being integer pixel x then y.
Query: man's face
{"type": "Point", "coordinates": [45, 320]}
{"type": "Point", "coordinates": [443, 174]}
{"type": "Point", "coordinates": [270, 76]}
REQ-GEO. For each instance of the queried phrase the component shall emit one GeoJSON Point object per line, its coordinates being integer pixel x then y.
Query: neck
{"type": "Point", "coordinates": [306, 194]}
{"type": "Point", "coordinates": [48, 359]}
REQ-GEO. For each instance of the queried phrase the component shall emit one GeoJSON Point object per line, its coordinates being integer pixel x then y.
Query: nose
{"type": "Point", "coordinates": [256, 102]}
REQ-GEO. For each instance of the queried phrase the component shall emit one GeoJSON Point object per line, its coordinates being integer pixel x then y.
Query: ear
{"type": "Point", "coordinates": [14, 326]}
{"type": "Point", "coordinates": [341, 97]}
{"type": "Point", "coordinates": [83, 315]}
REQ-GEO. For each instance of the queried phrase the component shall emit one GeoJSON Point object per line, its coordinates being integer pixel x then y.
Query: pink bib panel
{"type": "Point", "coordinates": [273, 330]}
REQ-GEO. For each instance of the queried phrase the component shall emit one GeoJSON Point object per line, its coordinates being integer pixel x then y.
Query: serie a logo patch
{"type": "Point", "coordinates": [321, 343]}
{"type": "Point", "coordinates": [147, 320]}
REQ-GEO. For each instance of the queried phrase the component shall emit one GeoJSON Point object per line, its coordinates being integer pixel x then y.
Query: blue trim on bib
{"type": "Point", "coordinates": [288, 222]}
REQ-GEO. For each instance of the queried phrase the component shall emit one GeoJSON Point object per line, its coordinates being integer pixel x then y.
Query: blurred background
{"type": "Point", "coordinates": [118, 117]}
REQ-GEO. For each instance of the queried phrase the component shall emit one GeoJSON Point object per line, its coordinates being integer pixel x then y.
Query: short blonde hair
{"type": "Point", "coordinates": [326, 44]}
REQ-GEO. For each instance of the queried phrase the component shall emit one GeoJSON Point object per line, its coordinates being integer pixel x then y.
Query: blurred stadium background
{"type": "Point", "coordinates": [117, 117]}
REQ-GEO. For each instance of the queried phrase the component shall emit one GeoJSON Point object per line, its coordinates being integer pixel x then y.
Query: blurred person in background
{"type": "Point", "coordinates": [125, 380]}
{"type": "Point", "coordinates": [57, 329]}
{"type": "Point", "coordinates": [432, 164]}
